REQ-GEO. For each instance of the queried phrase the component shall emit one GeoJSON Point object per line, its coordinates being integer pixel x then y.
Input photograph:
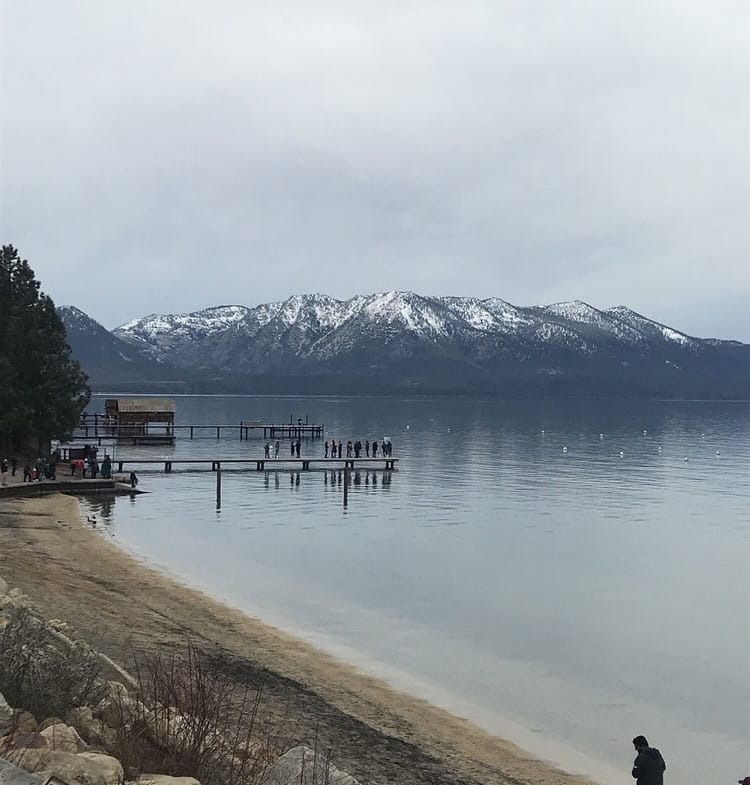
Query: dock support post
{"type": "Point", "coordinates": [346, 484]}
{"type": "Point", "coordinates": [218, 485]}
{"type": "Point", "coordinates": [218, 433]}
{"type": "Point", "coordinates": [191, 431]}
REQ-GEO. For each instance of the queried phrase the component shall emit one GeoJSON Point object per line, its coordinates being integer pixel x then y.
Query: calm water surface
{"type": "Point", "coordinates": [569, 600]}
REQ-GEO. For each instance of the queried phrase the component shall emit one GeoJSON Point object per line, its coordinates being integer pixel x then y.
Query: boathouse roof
{"type": "Point", "coordinates": [145, 405]}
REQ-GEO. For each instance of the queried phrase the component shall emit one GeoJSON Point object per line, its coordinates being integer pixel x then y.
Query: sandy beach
{"type": "Point", "coordinates": [75, 573]}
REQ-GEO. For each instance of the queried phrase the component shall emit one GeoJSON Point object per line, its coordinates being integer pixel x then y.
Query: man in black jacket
{"type": "Point", "coordinates": [649, 766]}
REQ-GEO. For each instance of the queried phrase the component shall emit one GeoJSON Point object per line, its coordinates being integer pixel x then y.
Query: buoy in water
{"type": "Point", "coordinates": [622, 454]}
{"type": "Point", "coordinates": [645, 431]}
{"type": "Point", "coordinates": [565, 449]}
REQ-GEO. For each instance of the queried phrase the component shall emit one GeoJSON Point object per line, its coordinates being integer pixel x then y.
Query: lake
{"type": "Point", "coordinates": [565, 574]}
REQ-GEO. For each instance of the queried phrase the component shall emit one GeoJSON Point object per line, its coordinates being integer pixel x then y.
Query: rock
{"type": "Point", "coordinates": [110, 768]}
{"type": "Point", "coordinates": [62, 737]}
{"type": "Point", "coordinates": [88, 768]}
{"type": "Point", "coordinates": [6, 713]}
{"type": "Point", "coordinates": [93, 731]}
{"type": "Point", "coordinates": [25, 721]}
{"type": "Point", "coordinates": [3, 587]}
{"type": "Point", "coordinates": [165, 779]}
{"type": "Point", "coordinates": [297, 766]}
{"type": "Point", "coordinates": [22, 739]}
{"type": "Point", "coordinates": [118, 708]}
{"type": "Point", "coordinates": [49, 721]}
{"type": "Point", "coordinates": [12, 775]}
{"type": "Point", "coordinates": [13, 592]}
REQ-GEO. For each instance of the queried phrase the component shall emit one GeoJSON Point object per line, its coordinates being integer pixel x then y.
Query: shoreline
{"type": "Point", "coordinates": [122, 605]}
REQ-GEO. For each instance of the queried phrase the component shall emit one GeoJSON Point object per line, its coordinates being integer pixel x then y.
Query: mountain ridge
{"type": "Point", "coordinates": [418, 342]}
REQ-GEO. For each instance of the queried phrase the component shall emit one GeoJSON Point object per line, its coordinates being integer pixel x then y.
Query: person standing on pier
{"type": "Point", "coordinates": [133, 479]}
{"type": "Point", "coordinates": [357, 448]}
{"type": "Point", "coordinates": [349, 449]}
{"type": "Point", "coordinates": [374, 449]}
{"type": "Point", "coordinates": [13, 466]}
{"type": "Point", "coordinates": [266, 450]}
{"type": "Point", "coordinates": [326, 449]}
{"type": "Point", "coordinates": [276, 448]}
{"type": "Point", "coordinates": [292, 448]}
{"type": "Point", "coordinates": [297, 446]}
{"type": "Point", "coordinates": [340, 448]}
{"type": "Point", "coordinates": [367, 447]}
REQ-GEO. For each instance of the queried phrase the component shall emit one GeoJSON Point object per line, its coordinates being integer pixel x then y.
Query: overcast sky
{"type": "Point", "coordinates": [167, 156]}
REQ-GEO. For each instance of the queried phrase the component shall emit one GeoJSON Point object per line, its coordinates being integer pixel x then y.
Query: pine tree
{"type": "Point", "coordinates": [42, 389]}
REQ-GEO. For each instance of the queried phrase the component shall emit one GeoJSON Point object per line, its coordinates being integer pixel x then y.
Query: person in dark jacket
{"type": "Point", "coordinates": [649, 766]}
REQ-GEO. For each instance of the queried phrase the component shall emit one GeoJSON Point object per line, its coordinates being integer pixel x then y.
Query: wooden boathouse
{"type": "Point", "coordinates": [147, 421]}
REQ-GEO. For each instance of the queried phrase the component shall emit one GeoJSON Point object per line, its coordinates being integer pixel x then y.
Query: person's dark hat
{"type": "Point", "coordinates": [745, 781]}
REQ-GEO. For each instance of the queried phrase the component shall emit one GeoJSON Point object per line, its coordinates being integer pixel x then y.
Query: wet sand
{"type": "Point", "coordinates": [121, 606]}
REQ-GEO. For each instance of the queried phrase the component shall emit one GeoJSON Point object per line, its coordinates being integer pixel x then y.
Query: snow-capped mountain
{"type": "Point", "coordinates": [407, 340]}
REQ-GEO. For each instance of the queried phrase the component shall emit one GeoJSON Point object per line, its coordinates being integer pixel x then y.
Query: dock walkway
{"type": "Point", "coordinates": [98, 429]}
{"type": "Point", "coordinates": [266, 464]}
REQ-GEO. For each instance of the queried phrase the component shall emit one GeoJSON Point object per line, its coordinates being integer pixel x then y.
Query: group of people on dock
{"type": "Point", "coordinates": [87, 465]}
{"type": "Point", "coordinates": [272, 450]}
{"type": "Point", "coordinates": [334, 449]}
{"type": "Point", "coordinates": [36, 471]}
{"type": "Point", "coordinates": [354, 449]}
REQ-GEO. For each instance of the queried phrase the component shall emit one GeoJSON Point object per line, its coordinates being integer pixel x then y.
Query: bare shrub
{"type": "Point", "coordinates": [192, 719]}
{"type": "Point", "coordinates": [41, 674]}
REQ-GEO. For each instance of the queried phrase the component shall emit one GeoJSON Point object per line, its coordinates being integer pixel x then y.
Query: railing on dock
{"type": "Point", "coordinates": [266, 464]}
{"type": "Point", "coordinates": [97, 428]}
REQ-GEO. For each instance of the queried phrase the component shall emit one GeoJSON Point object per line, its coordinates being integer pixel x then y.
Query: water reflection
{"type": "Point", "coordinates": [497, 563]}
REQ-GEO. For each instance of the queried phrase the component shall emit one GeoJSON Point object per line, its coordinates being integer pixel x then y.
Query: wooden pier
{"type": "Point", "coordinates": [265, 464]}
{"type": "Point", "coordinates": [98, 427]}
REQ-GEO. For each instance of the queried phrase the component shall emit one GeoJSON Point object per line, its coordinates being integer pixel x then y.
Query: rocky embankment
{"type": "Point", "coordinates": [90, 729]}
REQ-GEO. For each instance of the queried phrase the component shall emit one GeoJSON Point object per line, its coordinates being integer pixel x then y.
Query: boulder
{"type": "Point", "coordinates": [49, 721]}
{"type": "Point", "coordinates": [3, 587]}
{"type": "Point", "coordinates": [25, 721]}
{"type": "Point", "coordinates": [165, 779]}
{"type": "Point", "coordinates": [118, 708]}
{"type": "Point", "coordinates": [93, 731]}
{"type": "Point", "coordinates": [22, 739]}
{"type": "Point", "coordinates": [110, 768]}
{"type": "Point", "coordinates": [6, 713]}
{"type": "Point", "coordinates": [298, 766]}
{"type": "Point", "coordinates": [87, 768]}
{"type": "Point", "coordinates": [12, 775]}
{"type": "Point", "coordinates": [62, 737]}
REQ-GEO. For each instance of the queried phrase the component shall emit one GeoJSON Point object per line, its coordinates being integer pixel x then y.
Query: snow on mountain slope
{"type": "Point", "coordinates": [581, 313]}
{"type": "Point", "coordinates": [164, 330]}
{"type": "Point", "coordinates": [649, 328]}
{"type": "Point", "coordinates": [310, 328]}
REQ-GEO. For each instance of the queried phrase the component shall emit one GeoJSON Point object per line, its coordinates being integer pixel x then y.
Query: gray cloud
{"type": "Point", "coordinates": [172, 155]}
